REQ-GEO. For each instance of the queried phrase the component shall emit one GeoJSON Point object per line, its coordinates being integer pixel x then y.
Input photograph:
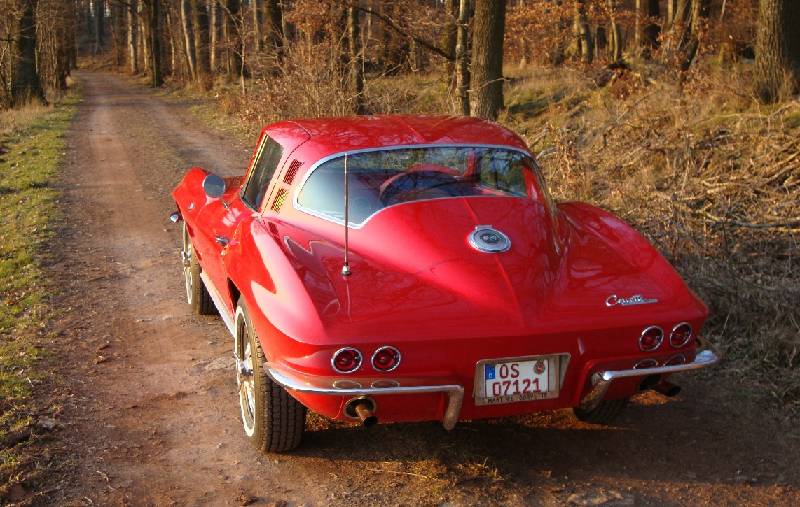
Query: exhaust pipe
{"type": "Point", "coordinates": [667, 388]}
{"type": "Point", "coordinates": [362, 409]}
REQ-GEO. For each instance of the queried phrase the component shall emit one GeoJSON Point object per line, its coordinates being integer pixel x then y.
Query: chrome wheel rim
{"type": "Point", "coordinates": [186, 258]}
{"type": "Point", "coordinates": [247, 389]}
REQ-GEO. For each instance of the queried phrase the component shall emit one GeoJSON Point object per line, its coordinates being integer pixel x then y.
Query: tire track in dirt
{"type": "Point", "coordinates": [153, 417]}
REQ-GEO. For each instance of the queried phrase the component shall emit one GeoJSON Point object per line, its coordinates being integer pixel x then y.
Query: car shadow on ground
{"type": "Point", "coordinates": [692, 440]}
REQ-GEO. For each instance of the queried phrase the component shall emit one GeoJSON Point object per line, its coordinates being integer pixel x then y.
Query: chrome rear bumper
{"type": "Point", "coordinates": [296, 381]}
{"type": "Point", "coordinates": [602, 380]}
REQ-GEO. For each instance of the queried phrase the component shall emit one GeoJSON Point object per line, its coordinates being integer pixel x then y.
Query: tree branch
{"type": "Point", "coordinates": [394, 26]}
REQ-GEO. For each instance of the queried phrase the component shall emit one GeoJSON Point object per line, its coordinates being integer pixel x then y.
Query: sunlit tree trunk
{"type": "Point", "coordinates": [583, 36]}
{"type": "Point", "coordinates": [462, 57]}
{"type": "Point", "coordinates": [188, 36]}
{"type": "Point", "coordinates": [615, 34]}
{"type": "Point", "coordinates": [487, 58]}
{"type": "Point", "coordinates": [258, 20]}
{"type": "Point", "coordinates": [133, 25]}
{"type": "Point", "coordinates": [214, 34]}
{"type": "Point", "coordinates": [356, 59]}
{"type": "Point", "coordinates": [448, 41]}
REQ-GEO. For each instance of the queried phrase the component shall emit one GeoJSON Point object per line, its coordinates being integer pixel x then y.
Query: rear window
{"type": "Point", "coordinates": [382, 178]}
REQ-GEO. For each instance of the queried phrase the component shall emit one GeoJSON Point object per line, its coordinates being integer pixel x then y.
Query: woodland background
{"type": "Point", "coordinates": [681, 116]}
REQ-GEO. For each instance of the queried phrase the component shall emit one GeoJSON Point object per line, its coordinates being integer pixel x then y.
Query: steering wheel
{"type": "Point", "coordinates": [417, 182]}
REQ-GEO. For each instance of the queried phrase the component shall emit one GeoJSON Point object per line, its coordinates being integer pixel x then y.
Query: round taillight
{"type": "Point", "coordinates": [386, 359]}
{"type": "Point", "coordinates": [645, 363]}
{"type": "Point", "coordinates": [346, 360]}
{"type": "Point", "coordinates": [675, 360]}
{"type": "Point", "coordinates": [680, 335]}
{"type": "Point", "coordinates": [651, 338]}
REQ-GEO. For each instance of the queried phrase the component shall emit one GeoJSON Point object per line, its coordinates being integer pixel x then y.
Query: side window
{"type": "Point", "coordinates": [257, 184]}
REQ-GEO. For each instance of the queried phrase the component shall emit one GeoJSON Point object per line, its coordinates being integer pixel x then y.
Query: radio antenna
{"type": "Point", "coordinates": [346, 266]}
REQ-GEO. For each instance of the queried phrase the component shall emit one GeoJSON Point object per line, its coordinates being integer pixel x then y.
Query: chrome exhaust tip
{"type": "Point", "coordinates": [667, 388]}
{"type": "Point", "coordinates": [362, 409]}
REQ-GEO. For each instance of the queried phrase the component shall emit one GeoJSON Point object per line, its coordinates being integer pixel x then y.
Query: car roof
{"type": "Point", "coordinates": [326, 136]}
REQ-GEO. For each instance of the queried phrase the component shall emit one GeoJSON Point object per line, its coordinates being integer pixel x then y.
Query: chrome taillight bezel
{"type": "Point", "coordinates": [688, 336]}
{"type": "Point", "coordinates": [675, 360]}
{"type": "Point", "coordinates": [386, 347]}
{"type": "Point", "coordinates": [343, 349]}
{"type": "Point", "coordinates": [645, 364]}
{"type": "Point", "coordinates": [660, 338]}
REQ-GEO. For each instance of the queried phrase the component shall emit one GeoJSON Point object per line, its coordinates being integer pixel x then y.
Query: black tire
{"type": "Point", "coordinates": [604, 413]}
{"type": "Point", "coordinates": [273, 421]}
{"type": "Point", "coordinates": [196, 292]}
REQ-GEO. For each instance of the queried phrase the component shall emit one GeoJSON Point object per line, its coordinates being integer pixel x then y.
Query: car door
{"type": "Point", "coordinates": [224, 217]}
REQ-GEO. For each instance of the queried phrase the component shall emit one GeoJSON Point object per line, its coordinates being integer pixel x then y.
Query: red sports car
{"type": "Point", "coordinates": [413, 268]}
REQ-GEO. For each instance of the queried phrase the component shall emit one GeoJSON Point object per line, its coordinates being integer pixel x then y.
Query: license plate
{"type": "Point", "coordinates": [511, 380]}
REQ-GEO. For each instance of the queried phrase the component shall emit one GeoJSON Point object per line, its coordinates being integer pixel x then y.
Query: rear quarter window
{"type": "Point", "coordinates": [258, 182]}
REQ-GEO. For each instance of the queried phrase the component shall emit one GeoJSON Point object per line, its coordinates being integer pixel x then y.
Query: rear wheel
{"type": "Point", "coordinates": [273, 421]}
{"type": "Point", "coordinates": [604, 413]}
{"type": "Point", "coordinates": [196, 293]}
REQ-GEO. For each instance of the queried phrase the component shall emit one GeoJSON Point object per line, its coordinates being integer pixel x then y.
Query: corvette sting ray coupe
{"type": "Point", "coordinates": [415, 268]}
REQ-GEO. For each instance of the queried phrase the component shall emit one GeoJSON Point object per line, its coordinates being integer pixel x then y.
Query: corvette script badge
{"type": "Point", "coordinates": [636, 299]}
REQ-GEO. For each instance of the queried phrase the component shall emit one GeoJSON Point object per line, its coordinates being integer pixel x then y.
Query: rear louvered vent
{"type": "Point", "coordinates": [279, 198]}
{"type": "Point", "coordinates": [292, 171]}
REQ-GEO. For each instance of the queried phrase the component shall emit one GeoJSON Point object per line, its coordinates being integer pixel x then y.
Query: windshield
{"type": "Point", "coordinates": [382, 178]}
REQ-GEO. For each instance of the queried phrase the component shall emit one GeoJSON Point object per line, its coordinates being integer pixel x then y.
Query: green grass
{"type": "Point", "coordinates": [34, 143]}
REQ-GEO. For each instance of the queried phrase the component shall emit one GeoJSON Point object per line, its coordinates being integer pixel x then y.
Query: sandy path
{"type": "Point", "coordinates": [153, 417]}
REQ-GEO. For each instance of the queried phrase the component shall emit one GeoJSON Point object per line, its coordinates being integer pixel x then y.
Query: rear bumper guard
{"type": "Point", "coordinates": [293, 380]}
{"type": "Point", "coordinates": [602, 380]}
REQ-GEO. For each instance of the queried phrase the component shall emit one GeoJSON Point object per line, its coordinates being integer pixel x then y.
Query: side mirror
{"type": "Point", "coordinates": [214, 186]}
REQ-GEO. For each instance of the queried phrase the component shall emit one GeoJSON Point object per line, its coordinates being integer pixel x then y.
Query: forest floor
{"type": "Point", "coordinates": [148, 412]}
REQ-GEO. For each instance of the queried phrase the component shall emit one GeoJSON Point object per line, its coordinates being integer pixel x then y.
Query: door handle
{"type": "Point", "coordinates": [222, 240]}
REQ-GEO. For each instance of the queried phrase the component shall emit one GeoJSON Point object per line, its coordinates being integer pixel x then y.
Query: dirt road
{"type": "Point", "coordinates": [151, 414]}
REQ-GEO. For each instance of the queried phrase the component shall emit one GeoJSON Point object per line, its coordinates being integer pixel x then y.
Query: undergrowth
{"type": "Point", "coordinates": [692, 161]}
{"type": "Point", "coordinates": [32, 146]}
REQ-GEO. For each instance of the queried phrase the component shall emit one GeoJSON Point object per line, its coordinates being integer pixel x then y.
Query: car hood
{"type": "Point", "coordinates": [412, 264]}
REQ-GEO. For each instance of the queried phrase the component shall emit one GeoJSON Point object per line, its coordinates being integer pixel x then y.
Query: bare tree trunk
{"type": "Point", "coordinates": [651, 28]}
{"type": "Point", "coordinates": [462, 56]}
{"type": "Point", "coordinates": [154, 31]}
{"type": "Point", "coordinates": [188, 36]}
{"type": "Point", "coordinates": [615, 34]}
{"type": "Point", "coordinates": [583, 36]}
{"type": "Point", "coordinates": [99, 25]}
{"type": "Point", "coordinates": [449, 39]}
{"type": "Point", "coordinates": [777, 50]}
{"type": "Point", "coordinates": [26, 85]}
{"type": "Point", "coordinates": [356, 59]}
{"type": "Point", "coordinates": [258, 20]}
{"type": "Point", "coordinates": [273, 29]}
{"type": "Point", "coordinates": [144, 34]}
{"type": "Point", "coordinates": [174, 44]}
{"type": "Point", "coordinates": [133, 48]}
{"type": "Point", "coordinates": [487, 58]}
{"type": "Point", "coordinates": [200, 25]}
{"type": "Point", "coordinates": [670, 16]}
{"type": "Point", "coordinates": [233, 38]}
{"type": "Point", "coordinates": [118, 33]}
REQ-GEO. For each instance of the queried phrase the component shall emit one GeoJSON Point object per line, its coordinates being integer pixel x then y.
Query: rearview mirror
{"type": "Point", "coordinates": [214, 186]}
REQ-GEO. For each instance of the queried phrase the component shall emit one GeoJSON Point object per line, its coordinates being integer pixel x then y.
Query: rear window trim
{"type": "Point", "coordinates": [299, 186]}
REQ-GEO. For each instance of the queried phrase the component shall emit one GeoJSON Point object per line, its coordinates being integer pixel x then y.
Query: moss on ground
{"type": "Point", "coordinates": [32, 148]}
